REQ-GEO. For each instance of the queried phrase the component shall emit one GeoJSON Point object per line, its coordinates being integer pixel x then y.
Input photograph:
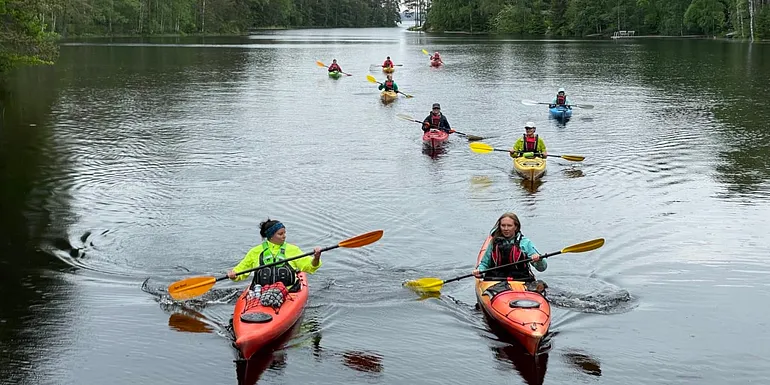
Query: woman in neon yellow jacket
{"type": "Point", "coordinates": [274, 248]}
{"type": "Point", "coordinates": [529, 143]}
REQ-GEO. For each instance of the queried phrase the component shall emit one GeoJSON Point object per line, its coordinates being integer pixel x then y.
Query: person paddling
{"type": "Point", "coordinates": [389, 84]}
{"type": "Point", "coordinates": [388, 63]}
{"type": "Point", "coordinates": [560, 99]}
{"type": "Point", "coordinates": [508, 245]}
{"type": "Point", "coordinates": [436, 121]}
{"type": "Point", "coordinates": [335, 67]}
{"type": "Point", "coordinates": [529, 143]}
{"type": "Point", "coordinates": [275, 248]}
{"type": "Point", "coordinates": [436, 58]}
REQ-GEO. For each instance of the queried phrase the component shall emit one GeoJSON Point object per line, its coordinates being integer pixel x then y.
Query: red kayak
{"type": "Point", "coordinates": [256, 326]}
{"type": "Point", "coordinates": [525, 315]}
{"type": "Point", "coordinates": [435, 63]}
{"type": "Point", "coordinates": [434, 138]}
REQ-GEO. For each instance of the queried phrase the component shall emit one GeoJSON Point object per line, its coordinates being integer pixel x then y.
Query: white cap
{"type": "Point", "coordinates": [530, 124]}
{"type": "Point", "coordinates": [561, 89]}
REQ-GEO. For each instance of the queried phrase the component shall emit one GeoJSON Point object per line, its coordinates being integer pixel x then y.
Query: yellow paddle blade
{"type": "Point", "coordinates": [362, 240]}
{"type": "Point", "coordinates": [585, 246]}
{"type": "Point", "coordinates": [318, 63]}
{"type": "Point", "coordinates": [425, 284]}
{"type": "Point", "coordinates": [371, 79]}
{"type": "Point", "coordinates": [481, 148]}
{"type": "Point", "coordinates": [190, 287]}
{"type": "Point", "coordinates": [405, 117]}
{"type": "Point", "coordinates": [573, 158]}
{"type": "Point", "coordinates": [425, 52]}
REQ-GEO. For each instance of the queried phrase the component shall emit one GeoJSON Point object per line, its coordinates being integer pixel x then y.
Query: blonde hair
{"type": "Point", "coordinates": [496, 232]}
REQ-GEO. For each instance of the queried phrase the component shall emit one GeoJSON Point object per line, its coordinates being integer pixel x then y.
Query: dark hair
{"type": "Point", "coordinates": [497, 232]}
{"type": "Point", "coordinates": [264, 226]}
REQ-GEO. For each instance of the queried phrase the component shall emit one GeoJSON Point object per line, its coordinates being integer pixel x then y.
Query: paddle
{"type": "Point", "coordinates": [371, 79]}
{"type": "Point", "coordinates": [483, 148]}
{"type": "Point", "coordinates": [435, 284]}
{"type": "Point", "coordinates": [534, 103]}
{"type": "Point", "coordinates": [196, 286]}
{"type": "Point", "coordinates": [411, 119]}
{"type": "Point", "coordinates": [320, 64]}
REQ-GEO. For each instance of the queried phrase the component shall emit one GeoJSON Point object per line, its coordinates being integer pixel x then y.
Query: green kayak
{"type": "Point", "coordinates": [335, 74]}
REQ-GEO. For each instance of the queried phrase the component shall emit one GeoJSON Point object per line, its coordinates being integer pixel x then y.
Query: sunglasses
{"type": "Point", "coordinates": [529, 128]}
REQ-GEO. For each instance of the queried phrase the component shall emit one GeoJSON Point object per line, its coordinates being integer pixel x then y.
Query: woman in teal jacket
{"type": "Point", "coordinates": [508, 245]}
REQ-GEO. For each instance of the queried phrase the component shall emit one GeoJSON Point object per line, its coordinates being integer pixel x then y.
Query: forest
{"type": "Point", "coordinates": [749, 19]}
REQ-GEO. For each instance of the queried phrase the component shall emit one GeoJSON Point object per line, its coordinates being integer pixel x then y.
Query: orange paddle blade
{"type": "Point", "coordinates": [318, 63]}
{"type": "Point", "coordinates": [362, 240]}
{"type": "Point", "coordinates": [190, 287]}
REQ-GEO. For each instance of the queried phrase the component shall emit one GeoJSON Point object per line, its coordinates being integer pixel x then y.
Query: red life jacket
{"type": "Point", "coordinates": [335, 67]}
{"type": "Point", "coordinates": [435, 121]}
{"type": "Point", "coordinates": [504, 253]}
{"type": "Point", "coordinates": [561, 99]}
{"type": "Point", "coordinates": [530, 144]}
{"type": "Point", "coordinates": [388, 85]}
{"type": "Point", "coordinates": [387, 64]}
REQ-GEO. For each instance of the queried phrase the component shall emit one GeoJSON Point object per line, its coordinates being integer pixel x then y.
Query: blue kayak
{"type": "Point", "coordinates": [561, 112]}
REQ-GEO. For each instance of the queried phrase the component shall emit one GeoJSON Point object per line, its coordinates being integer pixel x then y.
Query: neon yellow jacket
{"type": "Point", "coordinates": [251, 260]}
{"type": "Point", "coordinates": [519, 146]}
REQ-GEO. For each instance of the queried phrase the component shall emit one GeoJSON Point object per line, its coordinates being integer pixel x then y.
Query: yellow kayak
{"type": "Point", "coordinates": [529, 168]}
{"type": "Point", "coordinates": [388, 96]}
{"type": "Point", "coordinates": [388, 70]}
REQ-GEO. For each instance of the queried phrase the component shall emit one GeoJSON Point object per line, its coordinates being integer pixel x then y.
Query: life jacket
{"type": "Point", "coordinates": [561, 99]}
{"type": "Point", "coordinates": [435, 121]}
{"type": "Point", "coordinates": [505, 252]}
{"type": "Point", "coordinates": [530, 144]}
{"type": "Point", "coordinates": [334, 67]}
{"type": "Point", "coordinates": [279, 273]}
{"type": "Point", "coordinates": [388, 85]}
{"type": "Point", "coordinates": [387, 64]}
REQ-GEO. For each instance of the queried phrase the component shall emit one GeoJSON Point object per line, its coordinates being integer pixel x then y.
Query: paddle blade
{"type": "Point", "coordinates": [371, 79]}
{"type": "Point", "coordinates": [362, 240]}
{"type": "Point", "coordinates": [190, 287]}
{"type": "Point", "coordinates": [318, 63]}
{"type": "Point", "coordinates": [425, 285]}
{"type": "Point", "coordinates": [573, 158]}
{"type": "Point", "coordinates": [529, 102]}
{"type": "Point", "coordinates": [473, 137]}
{"type": "Point", "coordinates": [425, 51]}
{"type": "Point", "coordinates": [481, 148]}
{"type": "Point", "coordinates": [405, 117]}
{"type": "Point", "coordinates": [585, 246]}
{"type": "Point", "coordinates": [585, 106]}
{"type": "Point", "coordinates": [407, 95]}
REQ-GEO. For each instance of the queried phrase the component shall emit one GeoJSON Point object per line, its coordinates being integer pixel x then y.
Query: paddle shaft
{"type": "Point", "coordinates": [280, 262]}
{"type": "Point", "coordinates": [455, 131]}
{"type": "Point", "coordinates": [501, 267]}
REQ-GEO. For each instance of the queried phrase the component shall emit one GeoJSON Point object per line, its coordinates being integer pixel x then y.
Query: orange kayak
{"type": "Point", "coordinates": [523, 314]}
{"type": "Point", "coordinates": [256, 326]}
{"type": "Point", "coordinates": [388, 70]}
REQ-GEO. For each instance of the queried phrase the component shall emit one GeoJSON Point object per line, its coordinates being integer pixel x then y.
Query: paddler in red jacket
{"type": "Point", "coordinates": [388, 63]}
{"type": "Point", "coordinates": [334, 66]}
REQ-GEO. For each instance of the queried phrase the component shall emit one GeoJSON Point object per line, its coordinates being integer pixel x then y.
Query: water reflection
{"type": "Point", "coordinates": [362, 361]}
{"type": "Point", "coordinates": [531, 186]}
{"type": "Point", "coordinates": [583, 362]}
{"type": "Point", "coordinates": [531, 369]}
{"type": "Point", "coordinates": [190, 322]}
{"type": "Point", "coordinates": [272, 357]}
{"type": "Point", "coordinates": [434, 153]}
{"type": "Point", "coordinates": [573, 173]}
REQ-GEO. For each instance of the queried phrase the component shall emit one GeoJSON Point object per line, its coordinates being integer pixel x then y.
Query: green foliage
{"type": "Point", "coordinates": [23, 40]}
{"type": "Point", "coordinates": [587, 17]}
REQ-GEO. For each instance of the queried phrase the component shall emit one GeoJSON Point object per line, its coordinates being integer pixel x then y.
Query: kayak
{"type": "Point", "coordinates": [434, 139]}
{"type": "Point", "coordinates": [525, 315]}
{"type": "Point", "coordinates": [388, 96]}
{"type": "Point", "coordinates": [435, 63]}
{"type": "Point", "coordinates": [560, 112]}
{"type": "Point", "coordinates": [388, 70]}
{"type": "Point", "coordinates": [335, 74]}
{"type": "Point", "coordinates": [529, 168]}
{"type": "Point", "coordinates": [256, 326]}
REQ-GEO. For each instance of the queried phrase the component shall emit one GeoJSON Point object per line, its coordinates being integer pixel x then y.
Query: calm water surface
{"type": "Point", "coordinates": [131, 164]}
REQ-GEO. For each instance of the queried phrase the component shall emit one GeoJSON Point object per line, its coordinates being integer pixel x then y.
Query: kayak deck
{"type": "Point", "coordinates": [529, 168]}
{"type": "Point", "coordinates": [560, 112]}
{"type": "Point", "coordinates": [388, 70]}
{"type": "Point", "coordinates": [434, 139]}
{"type": "Point", "coordinates": [256, 326]}
{"type": "Point", "coordinates": [388, 96]}
{"type": "Point", "coordinates": [335, 74]}
{"type": "Point", "coordinates": [525, 315]}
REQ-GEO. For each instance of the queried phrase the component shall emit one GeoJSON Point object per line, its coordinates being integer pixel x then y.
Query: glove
{"type": "Point", "coordinates": [452, 131]}
{"type": "Point", "coordinates": [425, 129]}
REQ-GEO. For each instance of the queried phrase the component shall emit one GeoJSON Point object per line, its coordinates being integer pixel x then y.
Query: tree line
{"type": "Point", "coordinates": [29, 27]}
{"type": "Point", "coordinates": [742, 18]}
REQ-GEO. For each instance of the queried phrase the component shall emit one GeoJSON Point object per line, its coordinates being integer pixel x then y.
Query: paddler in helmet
{"type": "Point", "coordinates": [529, 143]}
{"type": "Point", "coordinates": [560, 99]}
